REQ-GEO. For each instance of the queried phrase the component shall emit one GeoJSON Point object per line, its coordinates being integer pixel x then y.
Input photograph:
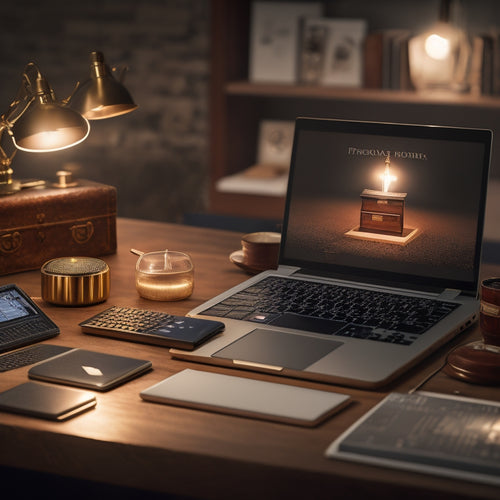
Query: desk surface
{"type": "Point", "coordinates": [126, 441]}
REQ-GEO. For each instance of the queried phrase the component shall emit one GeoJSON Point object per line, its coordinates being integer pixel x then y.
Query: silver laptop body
{"type": "Point", "coordinates": [388, 208]}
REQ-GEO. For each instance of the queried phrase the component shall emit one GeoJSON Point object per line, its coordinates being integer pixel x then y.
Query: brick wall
{"type": "Point", "coordinates": [155, 156]}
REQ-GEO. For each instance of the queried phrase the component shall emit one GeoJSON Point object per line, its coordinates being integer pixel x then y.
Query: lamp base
{"type": "Point", "coordinates": [15, 186]}
{"type": "Point", "coordinates": [7, 188]}
{"type": "Point", "coordinates": [477, 363]}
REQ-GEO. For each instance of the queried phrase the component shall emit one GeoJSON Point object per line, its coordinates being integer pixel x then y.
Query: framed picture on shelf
{"type": "Point", "coordinates": [275, 39]}
{"type": "Point", "coordinates": [332, 51]}
{"type": "Point", "coordinates": [275, 143]}
{"type": "Point", "coordinates": [269, 175]}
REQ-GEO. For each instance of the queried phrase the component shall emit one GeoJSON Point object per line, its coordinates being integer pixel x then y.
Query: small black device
{"type": "Point", "coordinates": [152, 327]}
{"type": "Point", "coordinates": [22, 322]}
{"type": "Point", "coordinates": [46, 401]}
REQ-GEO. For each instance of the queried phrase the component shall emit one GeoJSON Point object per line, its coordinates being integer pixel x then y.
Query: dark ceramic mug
{"type": "Point", "coordinates": [489, 317]}
{"type": "Point", "coordinates": [260, 250]}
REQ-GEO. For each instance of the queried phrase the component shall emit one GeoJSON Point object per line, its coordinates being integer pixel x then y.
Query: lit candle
{"type": "Point", "coordinates": [387, 177]}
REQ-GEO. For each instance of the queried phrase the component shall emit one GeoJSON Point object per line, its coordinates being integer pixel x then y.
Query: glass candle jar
{"type": "Point", "coordinates": [164, 275]}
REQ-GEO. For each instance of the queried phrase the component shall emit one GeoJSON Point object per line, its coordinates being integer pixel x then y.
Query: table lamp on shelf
{"type": "Point", "coordinates": [38, 123]}
{"type": "Point", "coordinates": [439, 58]}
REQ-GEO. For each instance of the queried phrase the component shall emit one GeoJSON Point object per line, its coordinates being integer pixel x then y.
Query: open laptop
{"type": "Point", "coordinates": [395, 210]}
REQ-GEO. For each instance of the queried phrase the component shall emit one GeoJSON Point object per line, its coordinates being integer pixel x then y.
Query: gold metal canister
{"type": "Point", "coordinates": [75, 281]}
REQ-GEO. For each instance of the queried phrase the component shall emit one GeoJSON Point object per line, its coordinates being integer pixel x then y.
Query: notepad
{"type": "Point", "coordinates": [46, 401]}
{"type": "Point", "coordinates": [246, 397]}
{"type": "Point", "coordinates": [434, 433]}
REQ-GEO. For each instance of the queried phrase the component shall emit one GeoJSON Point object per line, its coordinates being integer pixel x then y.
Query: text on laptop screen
{"type": "Point", "coordinates": [391, 201]}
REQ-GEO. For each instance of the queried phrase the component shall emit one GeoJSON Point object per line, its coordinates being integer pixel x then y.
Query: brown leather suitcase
{"type": "Point", "coordinates": [39, 224]}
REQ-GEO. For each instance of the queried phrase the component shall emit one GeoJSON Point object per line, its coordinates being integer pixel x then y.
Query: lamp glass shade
{"type": "Point", "coordinates": [45, 127]}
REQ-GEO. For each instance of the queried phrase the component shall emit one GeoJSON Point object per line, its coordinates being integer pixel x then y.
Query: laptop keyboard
{"type": "Point", "coordinates": [25, 332]}
{"type": "Point", "coordinates": [29, 355]}
{"type": "Point", "coordinates": [334, 309]}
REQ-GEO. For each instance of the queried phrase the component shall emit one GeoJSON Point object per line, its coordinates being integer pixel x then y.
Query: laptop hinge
{"type": "Point", "coordinates": [449, 294]}
{"type": "Point", "coordinates": [288, 270]}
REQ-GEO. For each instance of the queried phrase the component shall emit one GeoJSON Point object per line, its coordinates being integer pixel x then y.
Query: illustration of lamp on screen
{"type": "Point", "coordinates": [382, 211]}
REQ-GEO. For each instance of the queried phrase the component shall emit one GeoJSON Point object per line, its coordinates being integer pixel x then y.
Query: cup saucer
{"type": "Point", "coordinates": [237, 258]}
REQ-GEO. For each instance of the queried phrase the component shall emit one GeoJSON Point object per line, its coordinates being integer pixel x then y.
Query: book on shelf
{"type": "Point", "coordinates": [386, 64]}
{"type": "Point", "coordinates": [487, 65]}
{"type": "Point", "coordinates": [481, 65]}
{"type": "Point", "coordinates": [495, 41]}
{"type": "Point", "coordinates": [373, 55]}
{"type": "Point", "coordinates": [275, 39]}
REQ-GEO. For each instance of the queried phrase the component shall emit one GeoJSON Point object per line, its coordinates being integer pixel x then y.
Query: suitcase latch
{"type": "Point", "coordinates": [82, 233]}
{"type": "Point", "coordinates": [11, 242]}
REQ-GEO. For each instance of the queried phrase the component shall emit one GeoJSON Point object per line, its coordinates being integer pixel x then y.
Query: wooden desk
{"type": "Point", "coordinates": [126, 441]}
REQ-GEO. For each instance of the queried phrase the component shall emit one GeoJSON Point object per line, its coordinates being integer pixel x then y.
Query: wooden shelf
{"type": "Point", "coordinates": [245, 88]}
{"type": "Point", "coordinates": [237, 106]}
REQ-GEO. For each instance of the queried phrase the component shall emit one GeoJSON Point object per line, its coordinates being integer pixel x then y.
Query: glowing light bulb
{"type": "Point", "coordinates": [437, 47]}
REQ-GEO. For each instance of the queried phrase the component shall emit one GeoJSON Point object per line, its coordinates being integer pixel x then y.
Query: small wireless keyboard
{"type": "Point", "coordinates": [152, 327]}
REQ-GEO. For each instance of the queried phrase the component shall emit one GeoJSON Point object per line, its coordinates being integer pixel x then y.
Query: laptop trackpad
{"type": "Point", "coordinates": [272, 347]}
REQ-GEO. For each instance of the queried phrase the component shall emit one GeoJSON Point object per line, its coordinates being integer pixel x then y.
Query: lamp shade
{"type": "Point", "coordinates": [102, 95]}
{"type": "Point", "coordinates": [48, 126]}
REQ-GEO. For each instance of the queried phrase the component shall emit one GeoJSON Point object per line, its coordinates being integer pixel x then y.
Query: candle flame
{"type": "Point", "coordinates": [387, 177]}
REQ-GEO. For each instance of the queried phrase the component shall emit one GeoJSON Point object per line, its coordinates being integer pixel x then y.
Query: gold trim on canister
{"type": "Point", "coordinates": [75, 281]}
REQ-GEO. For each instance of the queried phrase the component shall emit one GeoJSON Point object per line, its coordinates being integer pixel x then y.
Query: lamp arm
{"type": "Point", "coordinates": [5, 159]}
{"type": "Point", "coordinates": [3, 154]}
{"type": "Point", "coordinates": [25, 95]}
{"type": "Point", "coordinates": [67, 99]}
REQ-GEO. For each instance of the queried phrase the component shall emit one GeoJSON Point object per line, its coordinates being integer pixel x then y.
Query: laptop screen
{"type": "Point", "coordinates": [387, 203]}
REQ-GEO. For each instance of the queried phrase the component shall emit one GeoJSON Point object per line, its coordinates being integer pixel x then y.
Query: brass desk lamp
{"type": "Point", "coordinates": [38, 123]}
{"type": "Point", "coordinates": [101, 96]}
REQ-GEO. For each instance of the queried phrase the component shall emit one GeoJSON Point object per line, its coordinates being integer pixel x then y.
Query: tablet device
{"type": "Point", "coordinates": [22, 322]}
{"type": "Point", "coordinates": [46, 401]}
{"type": "Point", "coordinates": [246, 397]}
{"type": "Point", "coordinates": [89, 369]}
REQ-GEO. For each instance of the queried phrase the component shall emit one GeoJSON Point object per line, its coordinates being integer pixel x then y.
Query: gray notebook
{"type": "Point", "coordinates": [89, 369]}
{"type": "Point", "coordinates": [246, 397]}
